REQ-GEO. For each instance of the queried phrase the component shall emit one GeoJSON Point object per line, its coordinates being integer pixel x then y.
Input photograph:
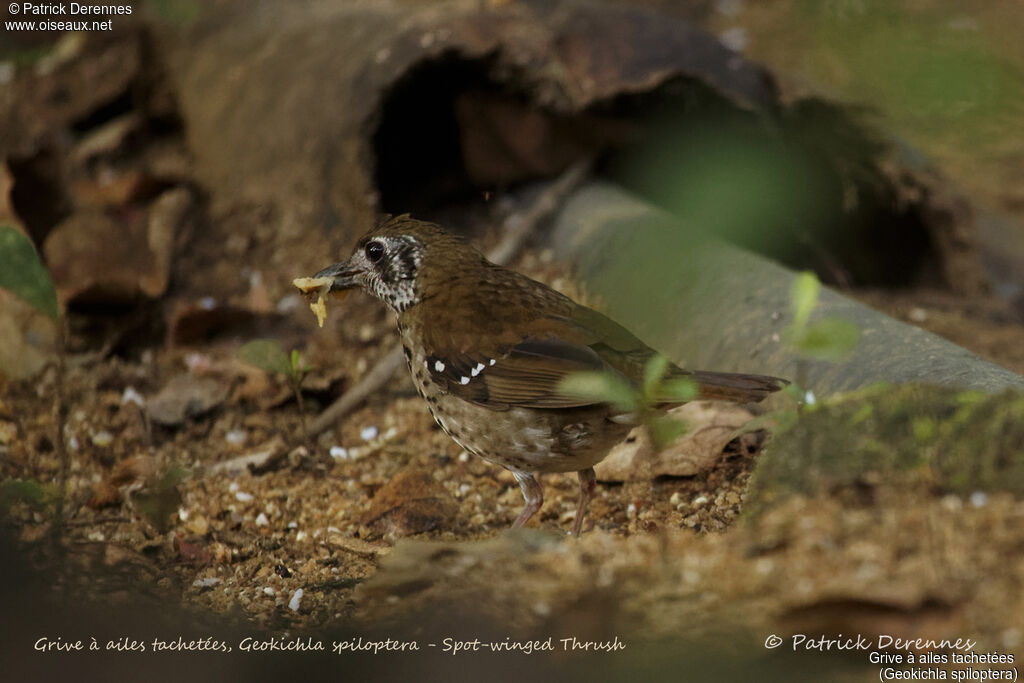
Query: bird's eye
{"type": "Point", "coordinates": [374, 251]}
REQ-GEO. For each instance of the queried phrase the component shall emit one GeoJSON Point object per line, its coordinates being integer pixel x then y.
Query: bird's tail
{"type": "Point", "coordinates": [738, 387]}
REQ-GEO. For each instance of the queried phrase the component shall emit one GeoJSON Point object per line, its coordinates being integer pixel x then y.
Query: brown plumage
{"type": "Point", "coordinates": [489, 349]}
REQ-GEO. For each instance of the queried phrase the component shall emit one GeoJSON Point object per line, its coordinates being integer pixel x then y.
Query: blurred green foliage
{"type": "Point", "coordinates": [829, 339]}
{"type": "Point", "coordinates": [643, 401]}
{"type": "Point", "coordinates": [930, 66]}
{"type": "Point", "coordinates": [23, 273]}
{"type": "Point", "coordinates": [182, 13]}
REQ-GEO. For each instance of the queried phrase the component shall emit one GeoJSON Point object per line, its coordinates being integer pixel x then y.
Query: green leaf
{"type": "Point", "coordinates": [23, 274]}
{"type": "Point", "coordinates": [829, 339]}
{"type": "Point", "coordinates": [803, 297]}
{"type": "Point", "coordinates": [602, 387]}
{"type": "Point", "coordinates": [681, 389]}
{"type": "Point", "coordinates": [665, 429]}
{"type": "Point", "coordinates": [654, 371]}
{"type": "Point", "coordinates": [22, 490]}
{"type": "Point", "coordinates": [267, 355]}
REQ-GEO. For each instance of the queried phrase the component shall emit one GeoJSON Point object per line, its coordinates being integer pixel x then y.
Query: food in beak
{"type": "Point", "coordinates": [320, 286]}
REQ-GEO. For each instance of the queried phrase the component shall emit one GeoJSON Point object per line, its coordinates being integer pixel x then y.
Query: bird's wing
{"type": "Point", "coordinates": [528, 374]}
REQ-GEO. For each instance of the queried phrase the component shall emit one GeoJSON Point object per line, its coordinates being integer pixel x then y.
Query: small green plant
{"type": "Point", "coordinates": [829, 339]}
{"type": "Point", "coordinates": [27, 491]}
{"type": "Point", "coordinates": [269, 356]}
{"type": "Point", "coordinates": [643, 401]}
{"type": "Point", "coordinates": [23, 274]}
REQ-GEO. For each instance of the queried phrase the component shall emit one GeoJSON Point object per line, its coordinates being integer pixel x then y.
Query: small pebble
{"type": "Point", "coordinates": [293, 604]}
{"type": "Point", "coordinates": [243, 497]}
{"type": "Point", "coordinates": [700, 500]}
{"type": "Point", "coordinates": [236, 437]}
{"type": "Point", "coordinates": [132, 396]}
{"type": "Point", "coordinates": [269, 590]}
{"type": "Point", "coordinates": [368, 433]}
{"type": "Point", "coordinates": [261, 520]}
{"type": "Point", "coordinates": [183, 514]}
{"type": "Point", "coordinates": [736, 38]}
{"type": "Point", "coordinates": [102, 439]}
{"type": "Point", "coordinates": [979, 499]}
{"type": "Point", "coordinates": [918, 315]}
{"type": "Point", "coordinates": [339, 453]}
{"type": "Point", "coordinates": [809, 398]}
{"type": "Point", "coordinates": [206, 583]}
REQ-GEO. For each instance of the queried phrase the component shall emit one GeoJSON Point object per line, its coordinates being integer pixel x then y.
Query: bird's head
{"type": "Point", "coordinates": [395, 261]}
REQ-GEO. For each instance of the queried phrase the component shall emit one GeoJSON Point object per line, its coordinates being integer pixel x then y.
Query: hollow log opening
{"type": "Point", "coordinates": [803, 186]}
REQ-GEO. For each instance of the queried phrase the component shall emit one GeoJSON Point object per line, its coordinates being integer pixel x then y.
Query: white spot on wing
{"type": "Point", "coordinates": [493, 361]}
{"type": "Point", "coordinates": [439, 366]}
{"type": "Point", "coordinates": [464, 380]}
{"type": "Point", "coordinates": [476, 370]}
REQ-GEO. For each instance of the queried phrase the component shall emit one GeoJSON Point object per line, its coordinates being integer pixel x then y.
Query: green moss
{"type": "Point", "coordinates": [957, 441]}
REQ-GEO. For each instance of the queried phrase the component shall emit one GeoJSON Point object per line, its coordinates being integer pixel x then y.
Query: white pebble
{"type": "Point", "coordinates": [207, 303]}
{"type": "Point", "coordinates": [979, 499]}
{"type": "Point", "coordinates": [243, 497]}
{"type": "Point", "coordinates": [206, 583]}
{"type": "Point", "coordinates": [288, 303]}
{"type": "Point", "coordinates": [102, 439]}
{"type": "Point", "coordinates": [132, 396]}
{"type": "Point", "coordinates": [700, 500]}
{"type": "Point", "coordinates": [338, 453]}
{"type": "Point", "coordinates": [439, 366]}
{"type": "Point", "coordinates": [261, 520]}
{"type": "Point", "coordinates": [368, 433]}
{"type": "Point", "coordinates": [293, 525]}
{"type": "Point", "coordinates": [293, 604]}
{"type": "Point", "coordinates": [183, 514]}
{"type": "Point", "coordinates": [236, 437]}
{"type": "Point", "coordinates": [333, 530]}
{"type": "Point", "coordinates": [735, 38]}
{"type": "Point", "coordinates": [269, 590]}
{"type": "Point", "coordinates": [809, 398]}
{"type": "Point", "coordinates": [301, 536]}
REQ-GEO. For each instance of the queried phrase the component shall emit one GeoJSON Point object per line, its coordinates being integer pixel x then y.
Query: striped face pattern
{"type": "Point", "coordinates": [390, 264]}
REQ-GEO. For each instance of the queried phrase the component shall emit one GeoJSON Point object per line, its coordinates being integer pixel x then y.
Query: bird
{"type": "Point", "coordinates": [489, 350]}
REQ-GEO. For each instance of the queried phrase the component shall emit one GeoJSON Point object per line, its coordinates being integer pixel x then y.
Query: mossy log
{"type": "Point", "coordinates": [712, 306]}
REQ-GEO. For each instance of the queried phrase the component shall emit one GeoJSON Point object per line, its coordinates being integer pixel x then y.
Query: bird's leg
{"type": "Point", "coordinates": [588, 482]}
{"type": "Point", "coordinates": [532, 493]}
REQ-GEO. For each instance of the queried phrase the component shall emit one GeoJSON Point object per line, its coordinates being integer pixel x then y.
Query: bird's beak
{"type": "Point", "coordinates": [342, 274]}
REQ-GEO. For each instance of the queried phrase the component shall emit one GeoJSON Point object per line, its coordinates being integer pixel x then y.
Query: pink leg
{"type": "Point", "coordinates": [588, 482]}
{"type": "Point", "coordinates": [534, 495]}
